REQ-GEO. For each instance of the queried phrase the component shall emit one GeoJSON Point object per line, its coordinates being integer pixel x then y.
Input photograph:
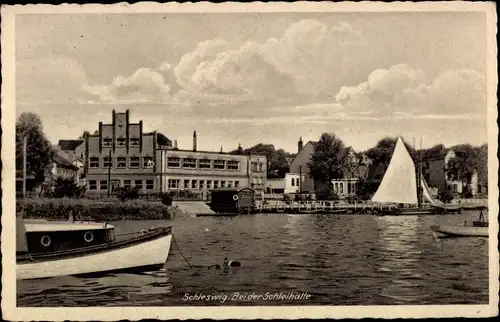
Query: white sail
{"type": "Point", "coordinates": [426, 194]}
{"type": "Point", "coordinates": [399, 184]}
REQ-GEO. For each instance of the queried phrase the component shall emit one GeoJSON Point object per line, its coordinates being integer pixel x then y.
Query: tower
{"type": "Point", "coordinates": [300, 144]}
{"type": "Point", "coordinates": [194, 141]}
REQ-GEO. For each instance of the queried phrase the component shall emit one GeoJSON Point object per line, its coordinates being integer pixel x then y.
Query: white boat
{"type": "Point", "coordinates": [49, 249]}
{"type": "Point", "coordinates": [456, 231]}
{"type": "Point", "coordinates": [398, 189]}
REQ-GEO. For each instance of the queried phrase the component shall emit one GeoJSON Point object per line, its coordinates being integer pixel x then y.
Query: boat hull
{"type": "Point", "coordinates": [407, 212]}
{"type": "Point", "coordinates": [454, 231]}
{"type": "Point", "coordinates": [146, 252]}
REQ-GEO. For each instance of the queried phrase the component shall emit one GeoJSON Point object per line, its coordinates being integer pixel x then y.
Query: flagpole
{"type": "Point", "coordinates": [25, 143]}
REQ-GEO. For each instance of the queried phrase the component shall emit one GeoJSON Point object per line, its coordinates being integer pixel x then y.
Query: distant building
{"type": "Point", "coordinates": [126, 152]}
{"type": "Point", "coordinates": [347, 186]}
{"type": "Point", "coordinates": [434, 165]}
{"type": "Point", "coordinates": [62, 168]}
{"type": "Point", "coordinates": [290, 184]}
{"type": "Point", "coordinates": [149, 162]}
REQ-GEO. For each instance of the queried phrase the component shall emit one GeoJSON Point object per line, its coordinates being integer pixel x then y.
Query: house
{"type": "Point", "coordinates": [347, 186]}
{"type": "Point", "coordinates": [62, 167]}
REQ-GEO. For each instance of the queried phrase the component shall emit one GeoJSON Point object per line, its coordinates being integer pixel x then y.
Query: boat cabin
{"type": "Point", "coordinates": [38, 237]}
{"type": "Point", "coordinates": [232, 200]}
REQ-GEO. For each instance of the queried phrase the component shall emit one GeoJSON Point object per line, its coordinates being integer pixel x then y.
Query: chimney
{"type": "Point", "coordinates": [221, 149]}
{"type": "Point", "coordinates": [175, 144]}
{"type": "Point", "coordinates": [300, 144]}
{"type": "Point", "coordinates": [194, 141]}
{"type": "Point", "coordinates": [240, 149]}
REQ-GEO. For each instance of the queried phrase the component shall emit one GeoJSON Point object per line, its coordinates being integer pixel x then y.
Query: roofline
{"type": "Point", "coordinates": [215, 152]}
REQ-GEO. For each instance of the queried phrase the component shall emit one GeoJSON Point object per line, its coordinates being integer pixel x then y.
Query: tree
{"type": "Point", "coordinates": [463, 165]}
{"type": "Point", "coordinates": [329, 160]}
{"type": "Point", "coordinates": [482, 166]}
{"type": "Point", "coordinates": [39, 152]}
{"type": "Point", "coordinates": [382, 152]}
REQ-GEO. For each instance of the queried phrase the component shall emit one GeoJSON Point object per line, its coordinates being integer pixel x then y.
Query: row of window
{"type": "Point", "coordinates": [103, 184]}
{"type": "Point", "coordinates": [121, 141]}
{"type": "Point", "coordinates": [339, 187]}
{"type": "Point", "coordinates": [257, 167]}
{"type": "Point", "coordinates": [257, 180]}
{"type": "Point", "coordinates": [174, 184]}
{"type": "Point", "coordinates": [121, 162]}
{"type": "Point", "coordinates": [295, 182]}
{"type": "Point", "coordinates": [192, 163]}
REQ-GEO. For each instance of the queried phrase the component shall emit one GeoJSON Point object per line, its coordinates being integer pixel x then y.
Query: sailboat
{"type": "Point", "coordinates": [399, 186]}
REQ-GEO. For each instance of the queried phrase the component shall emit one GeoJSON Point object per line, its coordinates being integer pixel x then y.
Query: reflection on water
{"type": "Point", "coordinates": [338, 259]}
{"type": "Point", "coordinates": [401, 257]}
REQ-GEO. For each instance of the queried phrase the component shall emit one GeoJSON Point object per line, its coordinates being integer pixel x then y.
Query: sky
{"type": "Point", "coordinates": [258, 77]}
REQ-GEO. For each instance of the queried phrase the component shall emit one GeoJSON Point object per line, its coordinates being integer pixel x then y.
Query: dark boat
{"type": "Point", "coordinates": [48, 249]}
{"type": "Point", "coordinates": [232, 201]}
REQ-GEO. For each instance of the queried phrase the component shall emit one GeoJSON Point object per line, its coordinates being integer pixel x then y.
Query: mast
{"type": "Point", "coordinates": [419, 182]}
{"type": "Point", "coordinates": [300, 180]}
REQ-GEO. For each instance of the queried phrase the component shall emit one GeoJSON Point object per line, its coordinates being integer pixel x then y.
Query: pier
{"type": "Point", "coordinates": [321, 206]}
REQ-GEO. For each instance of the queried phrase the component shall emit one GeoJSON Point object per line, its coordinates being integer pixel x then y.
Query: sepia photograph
{"type": "Point", "coordinates": [260, 160]}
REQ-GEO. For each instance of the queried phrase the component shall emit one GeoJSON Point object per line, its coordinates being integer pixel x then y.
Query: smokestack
{"type": "Point", "coordinates": [221, 149]}
{"type": "Point", "coordinates": [175, 144]}
{"type": "Point", "coordinates": [240, 149]}
{"type": "Point", "coordinates": [300, 144]}
{"type": "Point", "coordinates": [194, 141]}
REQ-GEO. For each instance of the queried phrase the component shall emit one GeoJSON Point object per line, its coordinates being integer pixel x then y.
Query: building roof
{"type": "Point", "coordinates": [69, 144]}
{"type": "Point", "coordinates": [215, 152]}
{"type": "Point", "coordinates": [62, 162]}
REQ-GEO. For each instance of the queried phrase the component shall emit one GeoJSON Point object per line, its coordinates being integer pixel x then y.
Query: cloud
{"type": "Point", "coordinates": [405, 89]}
{"type": "Point", "coordinates": [144, 85]}
{"type": "Point", "coordinates": [50, 79]}
{"type": "Point", "coordinates": [301, 64]}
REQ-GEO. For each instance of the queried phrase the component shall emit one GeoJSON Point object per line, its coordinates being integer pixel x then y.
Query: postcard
{"type": "Point", "coordinates": [249, 160]}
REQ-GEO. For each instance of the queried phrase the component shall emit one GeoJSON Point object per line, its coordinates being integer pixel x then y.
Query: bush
{"type": "Point", "coordinates": [287, 199]}
{"type": "Point", "coordinates": [55, 209]}
{"type": "Point", "coordinates": [61, 188]}
{"type": "Point", "coordinates": [166, 199]}
{"type": "Point", "coordinates": [127, 193]}
{"type": "Point", "coordinates": [326, 193]}
{"type": "Point", "coordinates": [445, 196]}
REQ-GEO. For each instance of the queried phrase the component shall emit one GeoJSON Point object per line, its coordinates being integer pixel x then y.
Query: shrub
{"type": "Point", "coordinates": [286, 199]}
{"type": "Point", "coordinates": [127, 193]}
{"type": "Point", "coordinates": [445, 196]}
{"type": "Point", "coordinates": [61, 188]}
{"type": "Point", "coordinates": [54, 209]}
{"type": "Point", "coordinates": [166, 199]}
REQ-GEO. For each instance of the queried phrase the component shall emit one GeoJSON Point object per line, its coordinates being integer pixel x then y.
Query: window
{"type": "Point", "coordinates": [174, 162]}
{"type": "Point", "coordinates": [107, 142]}
{"type": "Point", "coordinates": [336, 187]}
{"type": "Point", "coordinates": [216, 184]}
{"type": "Point", "coordinates": [233, 165]}
{"type": "Point", "coordinates": [134, 141]}
{"type": "Point", "coordinates": [194, 184]}
{"type": "Point", "coordinates": [349, 188]}
{"type": "Point", "coordinates": [103, 185]}
{"type": "Point", "coordinates": [204, 164]}
{"type": "Point", "coordinates": [260, 167]}
{"type": "Point", "coordinates": [106, 162]}
{"type": "Point", "coordinates": [189, 163]}
{"type": "Point", "coordinates": [92, 185]}
{"type": "Point", "coordinates": [236, 184]}
{"type": "Point", "coordinates": [223, 184]}
{"type": "Point", "coordinates": [202, 184]}
{"type": "Point", "coordinates": [150, 184]}
{"type": "Point", "coordinates": [341, 187]}
{"type": "Point", "coordinates": [94, 162]}
{"type": "Point", "coordinates": [229, 184]}
{"type": "Point", "coordinates": [219, 164]}
{"type": "Point", "coordinates": [121, 141]}
{"type": "Point", "coordinates": [138, 184]}
{"type": "Point", "coordinates": [293, 182]}
{"type": "Point", "coordinates": [186, 184]}
{"type": "Point", "coordinates": [121, 162]}
{"type": "Point", "coordinates": [173, 183]}
{"type": "Point", "coordinates": [254, 166]}
{"type": "Point", "coordinates": [455, 188]}
{"type": "Point", "coordinates": [209, 184]}
{"type": "Point", "coordinates": [147, 162]}
{"type": "Point", "coordinates": [127, 183]}
{"type": "Point", "coordinates": [134, 162]}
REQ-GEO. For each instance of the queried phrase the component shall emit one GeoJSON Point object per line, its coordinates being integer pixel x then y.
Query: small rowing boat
{"type": "Point", "coordinates": [456, 231]}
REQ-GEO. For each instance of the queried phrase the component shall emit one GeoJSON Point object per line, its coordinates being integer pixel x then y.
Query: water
{"type": "Point", "coordinates": [336, 259]}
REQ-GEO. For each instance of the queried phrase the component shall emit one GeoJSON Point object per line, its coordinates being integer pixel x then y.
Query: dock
{"type": "Point", "coordinates": [322, 207]}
